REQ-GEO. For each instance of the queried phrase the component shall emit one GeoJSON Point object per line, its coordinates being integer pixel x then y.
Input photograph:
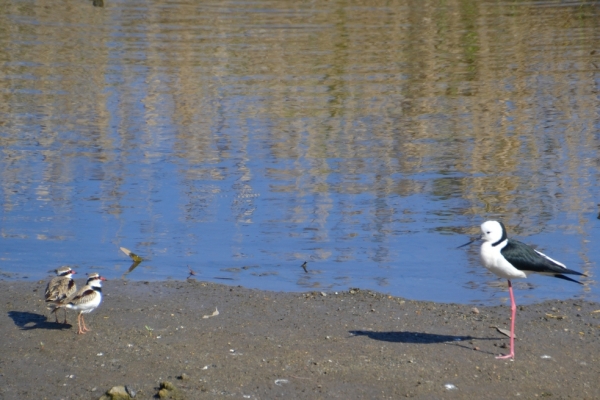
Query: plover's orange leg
{"type": "Point", "coordinates": [85, 328]}
{"type": "Point", "coordinates": [79, 322]}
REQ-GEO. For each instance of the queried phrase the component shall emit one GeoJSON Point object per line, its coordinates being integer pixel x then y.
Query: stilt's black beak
{"type": "Point", "coordinates": [466, 244]}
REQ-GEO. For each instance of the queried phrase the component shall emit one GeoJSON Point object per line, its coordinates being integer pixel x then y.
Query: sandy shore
{"type": "Point", "coordinates": [263, 345]}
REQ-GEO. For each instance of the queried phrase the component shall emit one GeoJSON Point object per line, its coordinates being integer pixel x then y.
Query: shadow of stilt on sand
{"type": "Point", "coordinates": [412, 337]}
{"type": "Point", "coordinates": [415, 337]}
{"type": "Point", "coordinates": [421, 338]}
{"type": "Point", "coordinates": [27, 320]}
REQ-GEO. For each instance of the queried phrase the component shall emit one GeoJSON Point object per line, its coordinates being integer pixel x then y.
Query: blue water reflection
{"type": "Point", "coordinates": [246, 141]}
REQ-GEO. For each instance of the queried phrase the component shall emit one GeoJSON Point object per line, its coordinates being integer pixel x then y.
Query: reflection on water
{"type": "Point", "coordinates": [240, 139]}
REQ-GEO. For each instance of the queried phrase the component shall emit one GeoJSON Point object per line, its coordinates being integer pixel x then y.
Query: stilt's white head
{"type": "Point", "coordinates": [493, 231]}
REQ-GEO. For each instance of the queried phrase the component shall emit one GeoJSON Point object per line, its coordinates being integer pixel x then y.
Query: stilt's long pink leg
{"type": "Point", "coordinates": [513, 307]}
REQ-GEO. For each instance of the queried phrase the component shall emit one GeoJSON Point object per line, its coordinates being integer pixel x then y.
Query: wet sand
{"type": "Point", "coordinates": [354, 344]}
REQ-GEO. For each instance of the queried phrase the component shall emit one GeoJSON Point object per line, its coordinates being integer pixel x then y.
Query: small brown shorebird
{"type": "Point", "coordinates": [86, 300]}
{"type": "Point", "coordinates": [60, 289]}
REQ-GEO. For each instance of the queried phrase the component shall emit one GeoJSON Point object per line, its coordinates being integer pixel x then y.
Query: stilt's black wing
{"type": "Point", "coordinates": [526, 259]}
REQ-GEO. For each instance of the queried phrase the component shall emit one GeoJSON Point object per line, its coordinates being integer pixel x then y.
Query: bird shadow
{"type": "Point", "coordinates": [27, 320]}
{"type": "Point", "coordinates": [411, 337]}
{"type": "Point", "coordinates": [419, 337]}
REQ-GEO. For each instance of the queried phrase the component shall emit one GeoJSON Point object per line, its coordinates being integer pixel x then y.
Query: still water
{"type": "Point", "coordinates": [240, 139]}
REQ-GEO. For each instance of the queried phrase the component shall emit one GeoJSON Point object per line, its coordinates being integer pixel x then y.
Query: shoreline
{"type": "Point", "coordinates": [535, 289]}
{"type": "Point", "coordinates": [354, 344]}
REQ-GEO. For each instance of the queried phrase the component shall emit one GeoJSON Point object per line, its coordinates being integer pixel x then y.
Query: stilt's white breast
{"type": "Point", "coordinates": [493, 260]}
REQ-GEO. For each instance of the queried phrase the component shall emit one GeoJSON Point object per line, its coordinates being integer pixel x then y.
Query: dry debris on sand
{"type": "Point", "coordinates": [354, 344]}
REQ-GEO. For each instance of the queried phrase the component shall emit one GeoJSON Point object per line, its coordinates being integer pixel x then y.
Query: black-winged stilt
{"type": "Point", "coordinates": [511, 259]}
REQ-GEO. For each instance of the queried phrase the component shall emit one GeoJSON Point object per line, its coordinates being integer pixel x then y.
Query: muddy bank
{"type": "Point", "coordinates": [351, 345]}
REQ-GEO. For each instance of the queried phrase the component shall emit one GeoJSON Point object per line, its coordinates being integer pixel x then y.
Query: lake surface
{"type": "Point", "coordinates": [240, 139]}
